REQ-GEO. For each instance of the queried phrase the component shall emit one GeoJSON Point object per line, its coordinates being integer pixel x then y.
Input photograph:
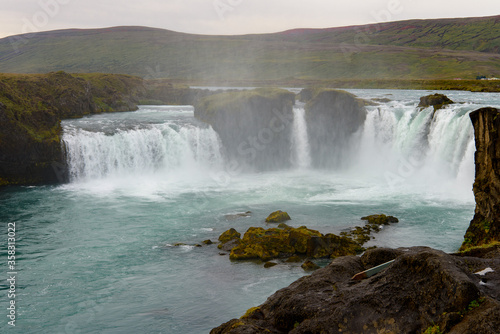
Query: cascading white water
{"type": "Point", "coordinates": [154, 149]}
{"type": "Point", "coordinates": [398, 144]}
{"type": "Point", "coordinates": [408, 145]}
{"type": "Point", "coordinates": [300, 140]}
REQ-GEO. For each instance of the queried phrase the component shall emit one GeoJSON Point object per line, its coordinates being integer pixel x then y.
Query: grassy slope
{"type": "Point", "coordinates": [416, 49]}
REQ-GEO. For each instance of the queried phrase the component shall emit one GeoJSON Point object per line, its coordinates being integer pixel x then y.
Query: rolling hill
{"type": "Point", "coordinates": [414, 49]}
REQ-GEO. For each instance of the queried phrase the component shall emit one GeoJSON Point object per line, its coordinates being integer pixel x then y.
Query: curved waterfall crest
{"type": "Point", "coordinates": [396, 141]}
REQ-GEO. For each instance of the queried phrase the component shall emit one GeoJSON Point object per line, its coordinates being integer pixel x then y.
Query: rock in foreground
{"type": "Point", "coordinates": [423, 288]}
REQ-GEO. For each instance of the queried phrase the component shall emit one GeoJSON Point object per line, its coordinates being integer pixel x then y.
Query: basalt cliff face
{"type": "Point", "coordinates": [333, 116]}
{"type": "Point", "coordinates": [485, 226]}
{"type": "Point", "coordinates": [254, 126]}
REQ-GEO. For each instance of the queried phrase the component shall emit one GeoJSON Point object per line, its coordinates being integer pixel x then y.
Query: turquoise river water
{"type": "Point", "coordinates": [96, 255]}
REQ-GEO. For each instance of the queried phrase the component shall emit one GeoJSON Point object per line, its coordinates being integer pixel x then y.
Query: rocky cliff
{"type": "Point", "coordinates": [333, 116]}
{"type": "Point", "coordinates": [32, 106]}
{"type": "Point", "coordinates": [485, 226]}
{"type": "Point", "coordinates": [423, 290]}
{"type": "Point", "coordinates": [253, 125]}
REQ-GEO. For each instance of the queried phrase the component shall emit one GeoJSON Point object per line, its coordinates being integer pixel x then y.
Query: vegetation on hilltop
{"type": "Point", "coordinates": [415, 49]}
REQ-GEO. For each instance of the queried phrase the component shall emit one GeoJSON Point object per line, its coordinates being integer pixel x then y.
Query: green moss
{"type": "Point", "coordinates": [251, 311]}
{"type": "Point", "coordinates": [486, 226]}
{"type": "Point", "coordinates": [433, 330]}
{"type": "Point", "coordinates": [266, 244]}
{"type": "Point", "coordinates": [473, 305]}
{"type": "Point", "coordinates": [278, 217]}
{"type": "Point", "coordinates": [227, 236]}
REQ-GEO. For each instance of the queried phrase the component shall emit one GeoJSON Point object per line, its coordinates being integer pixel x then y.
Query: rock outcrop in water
{"type": "Point", "coordinates": [285, 241]}
{"type": "Point", "coordinates": [423, 289]}
{"type": "Point", "coordinates": [333, 116]}
{"type": "Point", "coordinates": [485, 226]}
{"type": "Point", "coordinates": [278, 217]}
{"type": "Point", "coordinates": [253, 125]}
{"type": "Point", "coordinates": [289, 242]}
{"type": "Point", "coordinates": [437, 101]}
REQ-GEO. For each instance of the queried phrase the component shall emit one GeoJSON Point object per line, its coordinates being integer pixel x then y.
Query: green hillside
{"type": "Point", "coordinates": [415, 49]}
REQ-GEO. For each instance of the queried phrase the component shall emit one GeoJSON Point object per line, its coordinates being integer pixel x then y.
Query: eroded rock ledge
{"type": "Point", "coordinates": [423, 288]}
{"type": "Point", "coordinates": [485, 226]}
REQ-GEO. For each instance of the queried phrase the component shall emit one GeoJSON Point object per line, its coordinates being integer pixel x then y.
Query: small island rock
{"type": "Point", "coordinates": [278, 217]}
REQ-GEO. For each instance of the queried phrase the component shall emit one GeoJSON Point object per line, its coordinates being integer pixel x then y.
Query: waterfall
{"type": "Point", "coordinates": [408, 145]}
{"type": "Point", "coordinates": [155, 149]}
{"type": "Point", "coordinates": [398, 144]}
{"type": "Point", "coordinates": [300, 141]}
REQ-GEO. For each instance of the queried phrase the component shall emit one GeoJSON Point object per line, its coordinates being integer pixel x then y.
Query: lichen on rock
{"type": "Point", "coordinates": [266, 244]}
{"type": "Point", "coordinates": [278, 217]}
{"type": "Point", "coordinates": [229, 239]}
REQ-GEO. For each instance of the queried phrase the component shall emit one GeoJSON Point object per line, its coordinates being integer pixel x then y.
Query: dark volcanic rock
{"type": "Point", "coordinates": [485, 226]}
{"type": "Point", "coordinates": [422, 288]}
{"type": "Point", "coordinates": [333, 116]}
{"type": "Point", "coordinates": [437, 101]}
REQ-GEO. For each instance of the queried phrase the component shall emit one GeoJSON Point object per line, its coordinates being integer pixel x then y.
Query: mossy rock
{"type": "Point", "coordinates": [380, 219]}
{"type": "Point", "coordinates": [253, 313]}
{"type": "Point", "coordinates": [270, 264]}
{"type": "Point", "coordinates": [268, 244]}
{"type": "Point", "coordinates": [309, 266]}
{"type": "Point", "coordinates": [294, 258]}
{"type": "Point", "coordinates": [227, 236]}
{"type": "Point", "coordinates": [332, 245]}
{"type": "Point", "coordinates": [278, 217]}
{"type": "Point", "coordinates": [300, 238]}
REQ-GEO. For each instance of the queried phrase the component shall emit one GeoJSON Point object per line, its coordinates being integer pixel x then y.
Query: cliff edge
{"type": "Point", "coordinates": [485, 226]}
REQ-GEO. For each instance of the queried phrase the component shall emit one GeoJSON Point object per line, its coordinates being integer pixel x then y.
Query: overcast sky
{"type": "Point", "coordinates": [226, 17]}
